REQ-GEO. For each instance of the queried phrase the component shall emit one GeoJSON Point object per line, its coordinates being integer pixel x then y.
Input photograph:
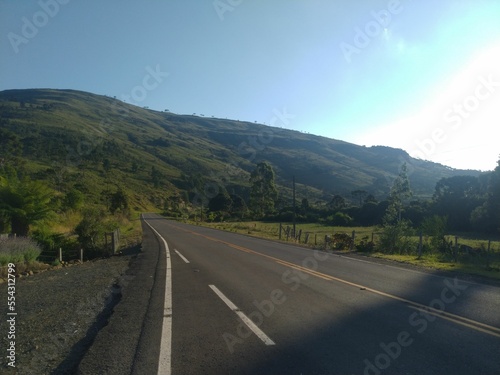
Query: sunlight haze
{"type": "Point", "coordinates": [394, 73]}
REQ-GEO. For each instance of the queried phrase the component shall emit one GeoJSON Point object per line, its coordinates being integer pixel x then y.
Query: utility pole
{"type": "Point", "coordinates": [293, 183]}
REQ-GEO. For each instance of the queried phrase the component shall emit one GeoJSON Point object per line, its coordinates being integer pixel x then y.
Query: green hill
{"type": "Point", "coordinates": [97, 143]}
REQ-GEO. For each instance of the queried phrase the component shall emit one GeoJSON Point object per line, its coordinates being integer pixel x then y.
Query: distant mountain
{"type": "Point", "coordinates": [93, 142]}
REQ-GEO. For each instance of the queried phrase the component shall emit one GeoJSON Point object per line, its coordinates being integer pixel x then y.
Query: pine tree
{"type": "Point", "coordinates": [263, 194]}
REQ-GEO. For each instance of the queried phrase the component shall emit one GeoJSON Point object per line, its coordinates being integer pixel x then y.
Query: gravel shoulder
{"type": "Point", "coordinates": [60, 312]}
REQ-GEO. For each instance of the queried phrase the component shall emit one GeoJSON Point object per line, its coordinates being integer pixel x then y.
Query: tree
{"type": "Point", "coordinates": [239, 206]}
{"type": "Point", "coordinates": [24, 203]}
{"type": "Point", "coordinates": [10, 147]}
{"type": "Point", "coordinates": [359, 195]}
{"type": "Point", "coordinates": [304, 206]}
{"type": "Point", "coordinates": [370, 199]}
{"type": "Point", "coordinates": [156, 177]}
{"type": "Point", "coordinates": [221, 202]}
{"type": "Point", "coordinates": [435, 227]}
{"type": "Point", "coordinates": [263, 194]}
{"type": "Point", "coordinates": [457, 197]}
{"type": "Point", "coordinates": [106, 164]}
{"type": "Point", "coordinates": [397, 232]}
{"type": "Point", "coordinates": [493, 200]}
{"type": "Point", "coordinates": [73, 200]}
{"type": "Point", "coordinates": [337, 203]}
{"type": "Point", "coordinates": [135, 167]}
{"type": "Point", "coordinates": [118, 201]}
{"type": "Point", "coordinates": [90, 229]}
{"type": "Point", "coordinates": [400, 191]}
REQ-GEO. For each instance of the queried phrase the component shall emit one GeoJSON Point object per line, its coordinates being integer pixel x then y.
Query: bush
{"type": "Point", "coordinates": [18, 250]}
{"type": "Point", "coordinates": [90, 229]}
{"type": "Point", "coordinates": [50, 241]}
{"type": "Point", "coordinates": [434, 228]}
{"type": "Point", "coordinates": [365, 246]}
{"type": "Point", "coordinates": [342, 241]}
{"type": "Point", "coordinates": [339, 219]}
{"type": "Point", "coordinates": [396, 238]}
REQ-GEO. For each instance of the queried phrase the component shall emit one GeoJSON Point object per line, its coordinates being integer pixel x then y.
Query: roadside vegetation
{"type": "Point", "coordinates": [435, 233]}
{"type": "Point", "coordinates": [75, 167]}
{"type": "Point", "coordinates": [41, 225]}
{"type": "Point", "coordinates": [472, 256]}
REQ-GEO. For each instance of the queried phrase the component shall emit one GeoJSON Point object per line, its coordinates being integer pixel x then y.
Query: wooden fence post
{"type": "Point", "coordinates": [280, 232]}
{"type": "Point", "coordinates": [488, 255]}
{"type": "Point", "coordinates": [353, 238]}
{"type": "Point", "coordinates": [60, 255]}
{"type": "Point", "coordinates": [420, 245]}
{"type": "Point", "coordinates": [81, 255]}
{"type": "Point", "coordinates": [455, 255]}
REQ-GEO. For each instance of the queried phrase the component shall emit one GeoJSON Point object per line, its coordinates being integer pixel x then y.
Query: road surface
{"type": "Point", "coordinates": [223, 303]}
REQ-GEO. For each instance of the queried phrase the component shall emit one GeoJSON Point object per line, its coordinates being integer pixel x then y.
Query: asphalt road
{"type": "Point", "coordinates": [223, 303]}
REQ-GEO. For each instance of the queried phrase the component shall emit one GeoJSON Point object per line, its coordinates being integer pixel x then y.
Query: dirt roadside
{"type": "Point", "coordinates": [60, 312]}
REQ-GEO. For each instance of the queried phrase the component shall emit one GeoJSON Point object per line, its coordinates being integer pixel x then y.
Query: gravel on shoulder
{"type": "Point", "coordinates": [60, 312]}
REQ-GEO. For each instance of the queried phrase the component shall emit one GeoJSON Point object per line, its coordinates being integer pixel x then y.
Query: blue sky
{"type": "Point", "coordinates": [423, 76]}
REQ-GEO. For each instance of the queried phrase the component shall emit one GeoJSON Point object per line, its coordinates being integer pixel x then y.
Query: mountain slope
{"type": "Point", "coordinates": [96, 142]}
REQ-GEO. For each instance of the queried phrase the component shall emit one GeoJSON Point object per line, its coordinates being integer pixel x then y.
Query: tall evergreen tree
{"type": "Point", "coordinates": [397, 231]}
{"type": "Point", "coordinates": [24, 203]}
{"type": "Point", "coordinates": [263, 194]}
{"type": "Point", "coordinates": [400, 192]}
{"type": "Point", "coordinates": [493, 202]}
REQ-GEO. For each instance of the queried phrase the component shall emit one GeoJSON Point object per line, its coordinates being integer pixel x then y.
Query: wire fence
{"type": "Point", "coordinates": [456, 249]}
{"type": "Point", "coordinates": [111, 247]}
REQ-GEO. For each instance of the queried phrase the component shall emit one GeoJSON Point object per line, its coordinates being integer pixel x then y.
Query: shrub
{"type": "Point", "coordinates": [340, 219]}
{"type": "Point", "coordinates": [342, 241]}
{"type": "Point", "coordinates": [18, 250]}
{"type": "Point", "coordinates": [396, 238]}
{"type": "Point", "coordinates": [90, 230]}
{"type": "Point", "coordinates": [435, 228]}
{"type": "Point", "coordinates": [49, 240]}
{"type": "Point", "coordinates": [366, 246]}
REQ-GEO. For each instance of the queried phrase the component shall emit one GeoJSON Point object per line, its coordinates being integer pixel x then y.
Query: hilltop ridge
{"type": "Point", "coordinates": [65, 134]}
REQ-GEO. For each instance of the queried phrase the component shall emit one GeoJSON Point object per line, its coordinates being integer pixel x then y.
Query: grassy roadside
{"type": "Point", "coordinates": [28, 256]}
{"type": "Point", "coordinates": [271, 230]}
{"type": "Point", "coordinates": [469, 265]}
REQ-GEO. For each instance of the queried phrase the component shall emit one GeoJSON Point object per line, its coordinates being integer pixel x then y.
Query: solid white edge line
{"type": "Point", "coordinates": [165, 358]}
{"type": "Point", "coordinates": [182, 256]}
{"type": "Point", "coordinates": [245, 319]}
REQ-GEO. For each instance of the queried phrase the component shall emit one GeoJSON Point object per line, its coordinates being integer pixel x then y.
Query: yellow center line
{"type": "Point", "coordinates": [462, 321]}
{"type": "Point", "coordinates": [478, 326]}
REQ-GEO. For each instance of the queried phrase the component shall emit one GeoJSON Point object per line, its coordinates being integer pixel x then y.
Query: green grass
{"type": "Point", "coordinates": [196, 145]}
{"type": "Point", "coordinates": [438, 262]}
{"type": "Point", "coordinates": [317, 232]}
